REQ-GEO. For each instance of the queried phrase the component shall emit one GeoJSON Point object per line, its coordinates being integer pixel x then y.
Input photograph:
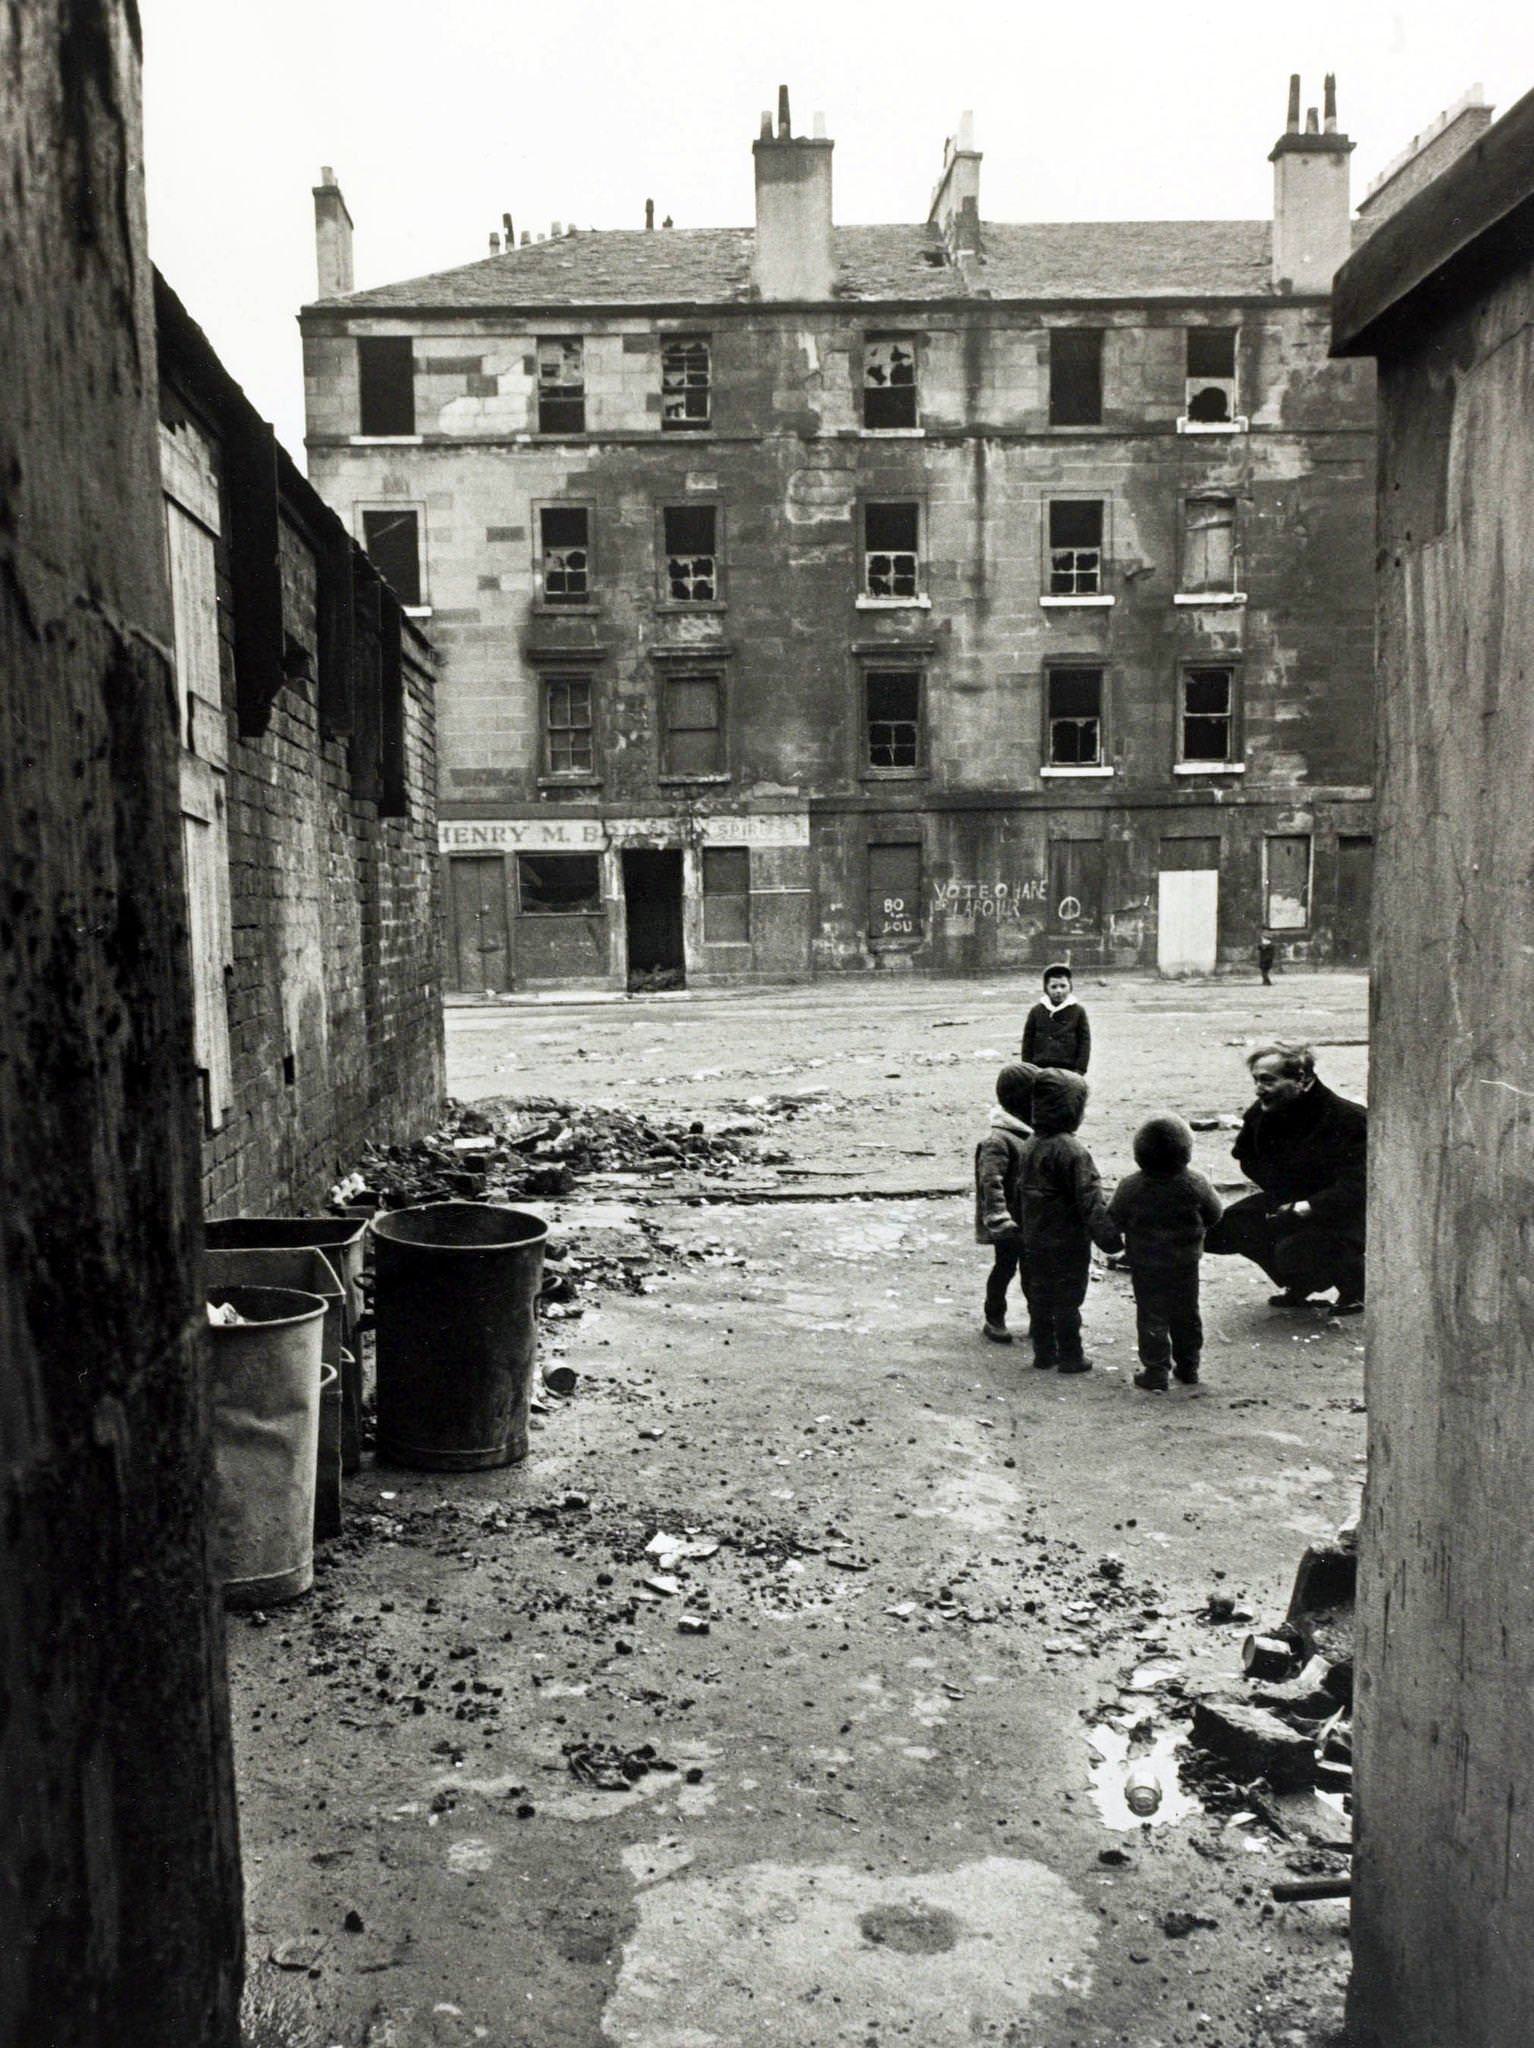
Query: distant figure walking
{"type": "Point", "coordinates": [1057, 1033]}
{"type": "Point", "coordinates": [1265, 952]}
{"type": "Point", "coordinates": [1307, 1150]}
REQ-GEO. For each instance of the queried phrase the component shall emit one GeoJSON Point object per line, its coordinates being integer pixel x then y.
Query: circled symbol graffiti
{"type": "Point", "coordinates": [1070, 909]}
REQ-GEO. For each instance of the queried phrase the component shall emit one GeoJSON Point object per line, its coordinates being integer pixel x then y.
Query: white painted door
{"type": "Point", "coordinates": [1187, 920]}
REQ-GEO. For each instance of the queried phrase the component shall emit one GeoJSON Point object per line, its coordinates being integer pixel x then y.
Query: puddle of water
{"type": "Point", "coordinates": [1110, 1741]}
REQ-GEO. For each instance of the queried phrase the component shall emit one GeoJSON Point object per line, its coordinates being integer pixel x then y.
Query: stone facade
{"type": "Point", "coordinates": [817, 758]}
{"type": "Point", "coordinates": [1443, 299]}
{"type": "Point", "coordinates": [309, 809]}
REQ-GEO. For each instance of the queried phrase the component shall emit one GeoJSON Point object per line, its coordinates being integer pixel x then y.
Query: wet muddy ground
{"type": "Point", "coordinates": [858, 1609]}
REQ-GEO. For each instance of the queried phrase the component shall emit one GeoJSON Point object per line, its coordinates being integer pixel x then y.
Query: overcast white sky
{"type": "Point", "coordinates": [440, 115]}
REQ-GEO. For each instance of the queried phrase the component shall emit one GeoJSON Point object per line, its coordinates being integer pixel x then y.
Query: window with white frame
{"type": "Point", "coordinates": [561, 385]}
{"type": "Point", "coordinates": [889, 381]}
{"type": "Point", "coordinates": [1210, 389]}
{"type": "Point", "coordinates": [568, 735]}
{"type": "Point", "coordinates": [1207, 724]}
{"type": "Point", "coordinates": [892, 550]}
{"type": "Point", "coordinates": [1073, 717]}
{"type": "Point", "coordinates": [1075, 547]}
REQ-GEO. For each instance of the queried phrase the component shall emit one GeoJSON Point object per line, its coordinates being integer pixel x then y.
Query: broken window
{"type": "Point", "coordinates": [1075, 547]}
{"type": "Point", "coordinates": [693, 741]}
{"type": "Point", "coordinates": [891, 550]}
{"type": "Point", "coordinates": [567, 726]}
{"type": "Point", "coordinates": [1074, 715]}
{"type": "Point", "coordinates": [564, 530]}
{"type": "Point", "coordinates": [558, 884]}
{"type": "Point", "coordinates": [1211, 381]}
{"type": "Point", "coordinates": [692, 562]}
{"type": "Point", "coordinates": [1075, 884]}
{"type": "Point", "coordinates": [894, 891]}
{"type": "Point", "coordinates": [889, 382]}
{"type": "Point", "coordinates": [561, 386]}
{"type": "Point", "coordinates": [1288, 882]}
{"type": "Point", "coordinates": [893, 698]}
{"type": "Point", "coordinates": [1209, 550]}
{"type": "Point", "coordinates": [686, 384]}
{"type": "Point", "coordinates": [385, 384]}
{"type": "Point", "coordinates": [1075, 376]}
{"type": "Point", "coordinates": [393, 540]}
{"type": "Point", "coordinates": [1208, 714]}
{"type": "Point", "coordinates": [726, 895]}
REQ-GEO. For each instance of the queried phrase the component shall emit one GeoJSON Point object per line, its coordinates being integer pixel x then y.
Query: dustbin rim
{"type": "Point", "coordinates": [533, 1229]}
{"type": "Point", "coordinates": [296, 1306]}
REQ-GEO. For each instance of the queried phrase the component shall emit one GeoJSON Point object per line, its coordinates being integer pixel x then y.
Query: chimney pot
{"type": "Point", "coordinates": [527, 236]}
{"type": "Point", "coordinates": [818, 127]}
{"type": "Point", "coordinates": [668, 222]}
{"type": "Point", "coordinates": [507, 229]}
{"type": "Point", "coordinates": [495, 243]}
{"type": "Point", "coordinates": [1329, 103]}
{"type": "Point", "coordinates": [649, 214]}
{"type": "Point", "coordinates": [554, 230]}
{"type": "Point", "coordinates": [1312, 121]}
{"type": "Point", "coordinates": [327, 175]}
{"type": "Point", "coordinates": [332, 238]}
{"type": "Point", "coordinates": [1293, 122]}
{"type": "Point", "coordinates": [766, 125]}
{"type": "Point", "coordinates": [785, 127]}
{"type": "Point", "coordinates": [967, 129]}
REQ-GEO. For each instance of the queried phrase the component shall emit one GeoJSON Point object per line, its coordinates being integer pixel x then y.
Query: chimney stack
{"type": "Point", "coordinates": [1312, 211]}
{"type": "Point", "coordinates": [955, 208]}
{"type": "Point", "coordinates": [793, 256]}
{"type": "Point", "coordinates": [332, 238]}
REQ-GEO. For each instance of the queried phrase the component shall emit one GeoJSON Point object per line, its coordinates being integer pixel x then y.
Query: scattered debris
{"type": "Point", "coordinates": [1254, 1743]}
{"type": "Point", "coordinates": [607, 1768]}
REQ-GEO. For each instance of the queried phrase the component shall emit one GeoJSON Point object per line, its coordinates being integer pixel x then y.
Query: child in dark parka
{"type": "Point", "coordinates": [1061, 1201]}
{"type": "Point", "coordinates": [998, 1161]}
{"type": "Point", "coordinates": [1164, 1211]}
{"type": "Point", "coordinates": [1056, 1032]}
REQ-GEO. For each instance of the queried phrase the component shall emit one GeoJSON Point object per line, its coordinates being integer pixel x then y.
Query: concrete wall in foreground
{"type": "Point", "coordinates": [119, 1871]}
{"type": "Point", "coordinates": [1444, 1899]}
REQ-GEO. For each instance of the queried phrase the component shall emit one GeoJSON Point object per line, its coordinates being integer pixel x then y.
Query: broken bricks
{"type": "Point", "coordinates": [1254, 1743]}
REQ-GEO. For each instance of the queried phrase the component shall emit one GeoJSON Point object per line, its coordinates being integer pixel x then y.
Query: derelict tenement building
{"type": "Point", "coordinates": [820, 598]}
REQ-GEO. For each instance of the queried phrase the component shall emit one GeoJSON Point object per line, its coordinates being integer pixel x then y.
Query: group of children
{"type": "Point", "coordinates": [1039, 1204]}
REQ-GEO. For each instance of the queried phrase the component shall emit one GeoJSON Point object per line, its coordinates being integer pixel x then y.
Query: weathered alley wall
{"type": "Point", "coordinates": [119, 1874]}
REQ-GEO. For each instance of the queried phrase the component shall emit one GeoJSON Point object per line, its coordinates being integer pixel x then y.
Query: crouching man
{"type": "Point", "coordinates": [1307, 1150]}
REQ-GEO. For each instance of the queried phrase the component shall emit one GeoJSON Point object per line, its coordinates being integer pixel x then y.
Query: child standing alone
{"type": "Point", "coordinates": [1060, 1198]}
{"type": "Point", "coordinates": [1164, 1211]}
{"type": "Point", "coordinates": [998, 1162]}
{"type": "Point", "coordinates": [1057, 1033]}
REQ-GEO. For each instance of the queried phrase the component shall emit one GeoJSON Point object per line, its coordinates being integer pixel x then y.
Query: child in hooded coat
{"type": "Point", "coordinates": [1063, 1212]}
{"type": "Point", "coordinates": [1164, 1211]}
{"type": "Point", "coordinates": [998, 1162]}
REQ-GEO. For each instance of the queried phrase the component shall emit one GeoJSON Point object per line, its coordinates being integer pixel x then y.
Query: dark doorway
{"type": "Point", "coordinates": [1355, 888]}
{"type": "Point", "coordinates": [481, 960]}
{"type": "Point", "coordinates": [652, 894]}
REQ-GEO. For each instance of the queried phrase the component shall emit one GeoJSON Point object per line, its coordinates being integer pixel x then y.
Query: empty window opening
{"type": "Point", "coordinates": [385, 384]}
{"type": "Point", "coordinates": [1211, 383]}
{"type": "Point", "coordinates": [568, 743]}
{"type": "Point", "coordinates": [1075, 717]}
{"type": "Point", "coordinates": [1208, 714]}
{"type": "Point", "coordinates": [686, 384]}
{"type": "Point", "coordinates": [1075, 376]}
{"type": "Point", "coordinates": [692, 562]}
{"type": "Point", "coordinates": [289, 1070]}
{"type": "Point", "coordinates": [694, 731]}
{"type": "Point", "coordinates": [894, 718]}
{"type": "Point", "coordinates": [726, 895]}
{"type": "Point", "coordinates": [1075, 547]}
{"type": "Point", "coordinates": [652, 898]}
{"type": "Point", "coordinates": [393, 541]}
{"type": "Point", "coordinates": [891, 550]}
{"type": "Point", "coordinates": [558, 884]}
{"type": "Point", "coordinates": [561, 386]}
{"type": "Point", "coordinates": [566, 554]}
{"type": "Point", "coordinates": [1209, 553]}
{"type": "Point", "coordinates": [889, 382]}
{"type": "Point", "coordinates": [894, 891]}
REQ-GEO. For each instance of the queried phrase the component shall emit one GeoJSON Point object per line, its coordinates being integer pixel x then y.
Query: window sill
{"type": "Point", "coordinates": [569, 782]}
{"type": "Point", "coordinates": [1097, 601]}
{"type": "Point", "coordinates": [416, 611]}
{"type": "Point", "coordinates": [1062, 774]}
{"type": "Point", "coordinates": [700, 432]}
{"type": "Point", "coordinates": [385, 440]}
{"type": "Point", "coordinates": [892, 433]}
{"type": "Point", "coordinates": [894, 774]}
{"type": "Point", "coordinates": [692, 781]}
{"type": "Point", "coordinates": [1210, 768]}
{"type": "Point", "coordinates": [1209, 598]}
{"type": "Point", "coordinates": [544, 610]}
{"type": "Point", "coordinates": [700, 607]}
{"type": "Point", "coordinates": [1239, 425]}
{"type": "Point", "coordinates": [864, 603]}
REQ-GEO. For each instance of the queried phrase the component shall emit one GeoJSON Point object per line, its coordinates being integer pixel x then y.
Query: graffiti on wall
{"type": "Point", "coordinates": [960, 902]}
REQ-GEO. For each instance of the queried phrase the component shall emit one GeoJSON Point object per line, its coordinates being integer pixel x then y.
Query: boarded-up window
{"type": "Point", "coordinates": [392, 538]}
{"type": "Point", "coordinates": [1075, 376]}
{"type": "Point", "coordinates": [1075, 547]}
{"type": "Point", "coordinates": [894, 718]}
{"type": "Point", "coordinates": [558, 884]}
{"type": "Point", "coordinates": [1288, 882]}
{"type": "Point", "coordinates": [891, 550]}
{"type": "Point", "coordinates": [1208, 714]}
{"type": "Point", "coordinates": [564, 531]}
{"type": "Point", "coordinates": [385, 384]}
{"type": "Point", "coordinates": [686, 373]}
{"type": "Point", "coordinates": [205, 851]}
{"type": "Point", "coordinates": [889, 381]}
{"type": "Point", "coordinates": [894, 891]}
{"type": "Point", "coordinates": [569, 747]}
{"type": "Point", "coordinates": [1073, 709]}
{"type": "Point", "coordinates": [726, 895]}
{"type": "Point", "coordinates": [561, 386]}
{"type": "Point", "coordinates": [1209, 548]}
{"type": "Point", "coordinates": [1075, 885]}
{"type": "Point", "coordinates": [692, 557]}
{"type": "Point", "coordinates": [694, 728]}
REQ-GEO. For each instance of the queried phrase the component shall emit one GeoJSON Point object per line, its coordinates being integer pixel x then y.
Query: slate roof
{"type": "Point", "coordinates": [712, 266]}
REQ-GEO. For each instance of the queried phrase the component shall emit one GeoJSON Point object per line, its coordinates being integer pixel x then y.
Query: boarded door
{"type": "Point", "coordinates": [1187, 920]}
{"type": "Point", "coordinates": [481, 953]}
{"type": "Point", "coordinates": [1075, 885]}
{"type": "Point", "coordinates": [894, 891]}
{"type": "Point", "coordinates": [1355, 884]}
